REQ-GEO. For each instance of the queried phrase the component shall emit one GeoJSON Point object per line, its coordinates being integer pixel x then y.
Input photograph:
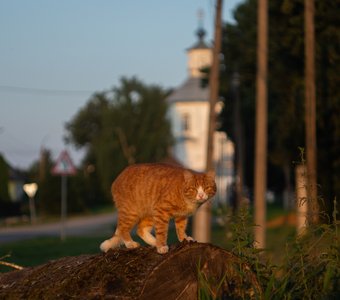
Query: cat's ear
{"type": "Point", "coordinates": [187, 175]}
{"type": "Point", "coordinates": [211, 174]}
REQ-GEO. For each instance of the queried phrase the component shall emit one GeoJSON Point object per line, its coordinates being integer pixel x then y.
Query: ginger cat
{"type": "Point", "coordinates": [150, 195]}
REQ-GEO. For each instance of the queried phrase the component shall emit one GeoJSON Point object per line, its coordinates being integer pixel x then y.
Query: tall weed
{"type": "Point", "coordinates": [310, 268]}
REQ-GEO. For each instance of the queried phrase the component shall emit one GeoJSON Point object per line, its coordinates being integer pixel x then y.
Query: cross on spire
{"type": "Point", "coordinates": [200, 31]}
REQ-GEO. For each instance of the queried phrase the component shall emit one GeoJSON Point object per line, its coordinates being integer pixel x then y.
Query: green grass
{"type": "Point", "coordinates": [41, 250]}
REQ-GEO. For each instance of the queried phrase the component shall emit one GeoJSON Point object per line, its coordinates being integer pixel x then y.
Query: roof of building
{"type": "Point", "coordinates": [200, 44]}
{"type": "Point", "coordinates": [190, 91]}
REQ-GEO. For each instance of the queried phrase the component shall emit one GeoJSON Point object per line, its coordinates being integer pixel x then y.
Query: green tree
{"type": "Point", "coordinates": [239, 52]}
{"type": "Point", "coordinates": [120, 127]}
{"type": "Point", "coordinates": [286, 88]}
{"type": "Point", "coordinates": [4, 194]}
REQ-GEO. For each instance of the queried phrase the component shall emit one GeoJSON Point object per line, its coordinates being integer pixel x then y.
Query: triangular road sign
{"type": "Point", "coordinates": [64, 165]}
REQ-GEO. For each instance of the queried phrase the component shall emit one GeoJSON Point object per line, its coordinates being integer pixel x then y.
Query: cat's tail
{"type": "Point", "coordinates": [111, 243]}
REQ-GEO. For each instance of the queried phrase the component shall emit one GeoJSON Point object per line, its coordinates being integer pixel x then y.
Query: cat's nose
{"type": "Point", "coordinates": [200, 195]}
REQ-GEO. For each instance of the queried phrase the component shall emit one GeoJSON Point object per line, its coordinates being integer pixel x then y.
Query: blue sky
{"type": "Point", "coordinates": [49, 47]}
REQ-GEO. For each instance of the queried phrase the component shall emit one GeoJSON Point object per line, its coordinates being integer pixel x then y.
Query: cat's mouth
{"type": "Point", "coordinates": [201, 195]}
{"type": "Point", "coordinates": [201, 200]}
{"type": "Point", "coordinates": [200, 203]}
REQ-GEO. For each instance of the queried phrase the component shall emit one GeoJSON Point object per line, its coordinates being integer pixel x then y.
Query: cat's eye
{"type": "Point", "coordinates": [190, 190]}
{"type": "Point", "coordinates": [210, 190]}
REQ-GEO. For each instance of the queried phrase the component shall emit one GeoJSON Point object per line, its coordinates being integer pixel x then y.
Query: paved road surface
{"type": "Point", "coordinates": [88, 225]}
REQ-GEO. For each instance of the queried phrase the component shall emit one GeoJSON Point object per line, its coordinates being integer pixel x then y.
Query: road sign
{"type": "Point", "coordinates": [64, 165]}
{"type": "Point", "coordinates": [31, 189]}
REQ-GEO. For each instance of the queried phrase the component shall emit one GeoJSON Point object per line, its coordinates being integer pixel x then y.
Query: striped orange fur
{"type": "Point", "coordinates": [149, 195]}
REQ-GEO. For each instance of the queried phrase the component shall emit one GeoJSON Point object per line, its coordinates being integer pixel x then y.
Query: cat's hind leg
{"type": "Point", "coordinates": [122, 233]}
{"type": "Point", "coordinates": [111, 243]}
{"type": "Point", "coordinates": [125, 224]}
{"type": "Point", "coordinates": [144, 231]}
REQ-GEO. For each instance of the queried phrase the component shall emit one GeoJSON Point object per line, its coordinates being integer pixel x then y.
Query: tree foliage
{"type": "Point", "coordinates": [126, 125]}
{"type": "Point", "coordinates": [286, 87]}
{"type": "Point", "coordinates": [4, 194]}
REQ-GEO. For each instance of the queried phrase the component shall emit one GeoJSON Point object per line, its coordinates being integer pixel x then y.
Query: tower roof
{"type": "Point", "coordinates": [191, 90]}
{"type": "Point", "coordinates": [200, 44]}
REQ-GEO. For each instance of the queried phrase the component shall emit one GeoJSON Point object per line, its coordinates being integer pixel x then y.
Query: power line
{"type": "Point", "coordinates": [39, 91]}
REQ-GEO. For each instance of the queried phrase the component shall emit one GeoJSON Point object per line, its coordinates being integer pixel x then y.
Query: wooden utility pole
{"type": "Point", "coordinates": [42, 165]}
{"type": "Point", "coordinates": [202, 220]}
{"type": "Point", "coordinates": [310, 112]}
{"type": "Point", "coordinates": [301, 195]}
{"type": "Point", "coordinates": [238, 136]}
{"type": "Point", "coordinates": [260, 174]}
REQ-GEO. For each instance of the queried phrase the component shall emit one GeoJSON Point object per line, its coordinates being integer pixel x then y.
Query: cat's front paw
{"type": "Point", "coordinates": [189, 239]}
{"type": "Point", "coordinates": [105, 246]}
{"type": "Point", "coordinates": [163, 249]}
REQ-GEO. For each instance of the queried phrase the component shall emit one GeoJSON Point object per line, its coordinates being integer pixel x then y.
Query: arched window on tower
{"type": "Point", "coordinates": [186, 122]}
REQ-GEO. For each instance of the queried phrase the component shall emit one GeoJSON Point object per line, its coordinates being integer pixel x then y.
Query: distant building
{"type": "Point", "coordinates": [15, 184]}
{"type": "Point", "coordinates": [12, 182]}
{"type": "Point", "coordinates": [189, 116]}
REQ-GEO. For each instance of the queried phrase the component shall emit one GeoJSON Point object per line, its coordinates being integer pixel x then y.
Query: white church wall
{"type": "Point", "coordinates": [198, 59]}
{"type": "Point", "coordinates": [223, 158]}
{"type": "Point", "coordinates": [190, 143]}
{"type": "Point", "coordinates": [179, 150]}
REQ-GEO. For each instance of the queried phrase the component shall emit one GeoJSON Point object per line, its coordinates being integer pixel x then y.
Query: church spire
{"type": "Point", "coordinates": [200, 32]}
{"type": "Point", "coordinates": [199, 55]}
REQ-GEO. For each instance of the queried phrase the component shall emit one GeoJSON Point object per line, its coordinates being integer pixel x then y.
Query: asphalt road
{"type": "Point", "coordinates": [77, 226]}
